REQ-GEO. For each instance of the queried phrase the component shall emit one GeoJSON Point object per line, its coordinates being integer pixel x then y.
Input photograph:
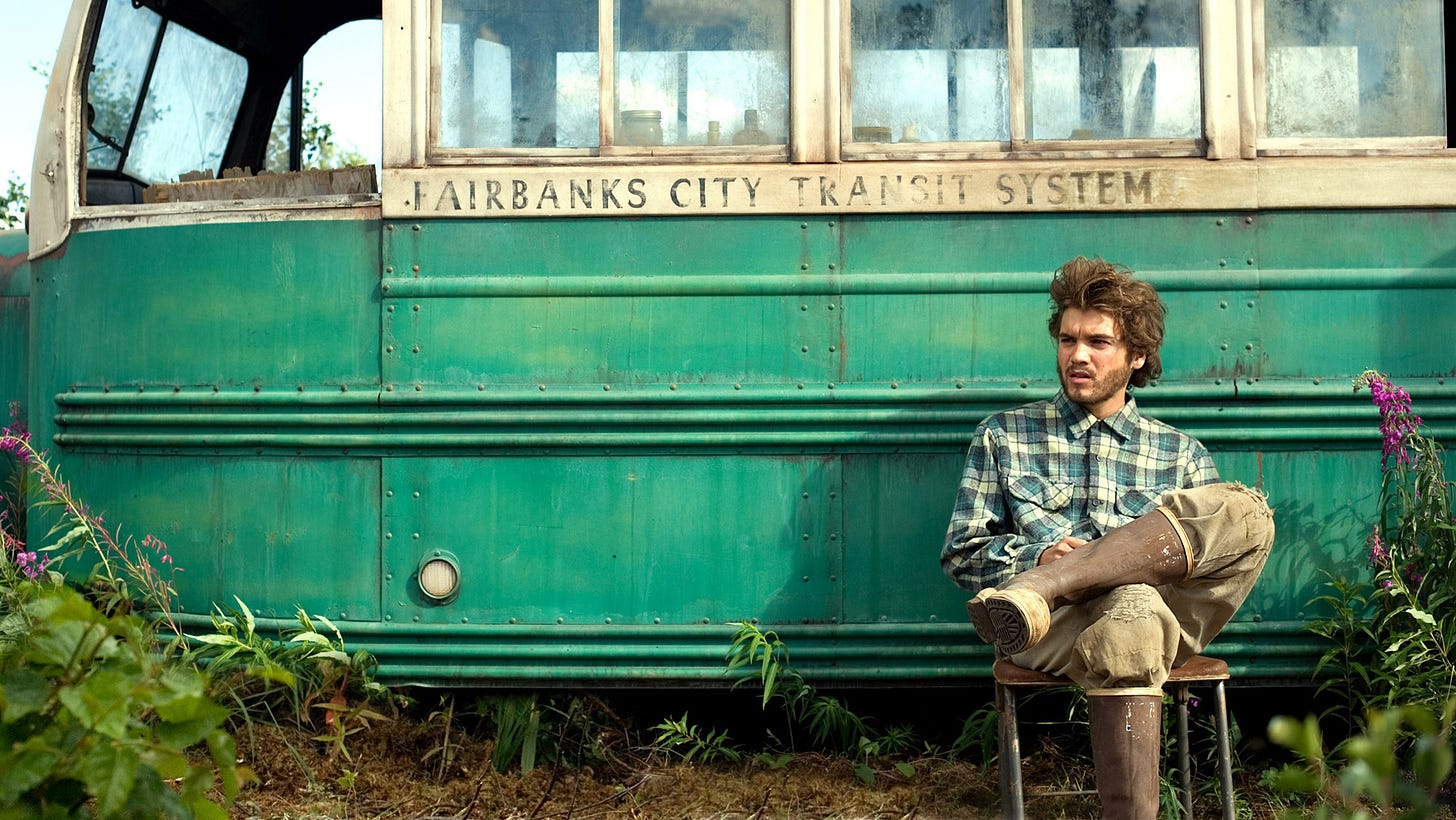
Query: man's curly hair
{"type": "Point", "coordinates": [1136, 310]}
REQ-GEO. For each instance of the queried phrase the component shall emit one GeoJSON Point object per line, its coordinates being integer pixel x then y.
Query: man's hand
{"type": "Point", "coordinates": [1059, 549]}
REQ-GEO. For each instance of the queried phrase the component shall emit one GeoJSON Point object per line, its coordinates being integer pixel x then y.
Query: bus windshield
{"type": "Point", "coordinates": [161, 99]}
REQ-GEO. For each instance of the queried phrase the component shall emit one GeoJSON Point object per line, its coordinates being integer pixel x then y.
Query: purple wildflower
{"type": "Point", "coordinates": [16, 443]}
{"type": "Point", "coordinates": [31, 565]}
{"type": "Point", "coordinates": [1397, 423]}
{"type": "Point", "coordinates": [1379, 555]}
{"type": "Point", "coordinates": [1387, 583]}
{"type": "Point", "coordinates": [1193, 702]}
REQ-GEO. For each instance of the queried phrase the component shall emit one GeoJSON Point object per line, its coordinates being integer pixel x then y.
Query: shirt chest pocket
{"type": "Point", "coordinates": [1135, 503]}
{"type": "Point", "coordinates": [1039, 505]}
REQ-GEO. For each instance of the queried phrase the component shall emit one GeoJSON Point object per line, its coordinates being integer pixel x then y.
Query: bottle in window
{"type": "Point", "coordinates": [752, 133]}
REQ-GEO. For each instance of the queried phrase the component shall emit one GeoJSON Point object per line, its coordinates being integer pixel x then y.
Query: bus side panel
{"type": "Point", "coordinates": [279, 533]}
{"type": "Point", "coordinates": [266, 305]}
{"type": "Point", "coordinates": [190, 380]}
{"type": "Point", "coordinates": [634, 539]}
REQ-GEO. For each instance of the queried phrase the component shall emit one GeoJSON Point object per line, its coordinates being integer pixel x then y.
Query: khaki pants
{"type": "Point", "coordinates": [1134, 634]}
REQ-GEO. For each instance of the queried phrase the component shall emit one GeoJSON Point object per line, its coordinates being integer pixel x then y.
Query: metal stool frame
{"type": "Point", "coordinates": [1199, 669]}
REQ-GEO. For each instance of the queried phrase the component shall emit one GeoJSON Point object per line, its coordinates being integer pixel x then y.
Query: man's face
{"type": "Point", "coordinates": [1093, 363]}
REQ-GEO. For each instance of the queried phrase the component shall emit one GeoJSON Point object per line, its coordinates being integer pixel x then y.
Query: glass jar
{"type": "Point", "coordinates": [752, 133]}
{"type": "Point", "coordinates": [641, 127]}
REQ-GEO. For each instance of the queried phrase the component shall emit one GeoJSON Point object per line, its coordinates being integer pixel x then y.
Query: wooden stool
{"type": "Point", "coordinates": [1199, 669]}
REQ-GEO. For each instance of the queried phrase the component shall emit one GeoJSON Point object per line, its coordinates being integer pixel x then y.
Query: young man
{"type": "Point", "coordinates": [1099, 542]}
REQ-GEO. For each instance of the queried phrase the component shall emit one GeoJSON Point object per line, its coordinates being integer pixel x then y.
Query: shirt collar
{"type": "Point", "coordinates": [1124, 423]}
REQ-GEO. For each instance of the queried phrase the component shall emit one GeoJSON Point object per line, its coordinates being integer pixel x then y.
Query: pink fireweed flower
{"type": "Point", "coordinates": [1379, 555]}
{"type": "Point", "coordinates": [31, 565]}
{"type": "Point", "coordinates": [16, 443]}
{"type": "Point", "coordinates": [1397, 422]}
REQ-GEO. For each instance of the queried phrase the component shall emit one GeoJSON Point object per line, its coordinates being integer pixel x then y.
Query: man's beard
{"type": "Point", "coordinates": [1104, 385]}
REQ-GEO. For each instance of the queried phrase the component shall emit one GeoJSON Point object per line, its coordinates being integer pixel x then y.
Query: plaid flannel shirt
{"type": "Point", "coordinates": [1050, 469]}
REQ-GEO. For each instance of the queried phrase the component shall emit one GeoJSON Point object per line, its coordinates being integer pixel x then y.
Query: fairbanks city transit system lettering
{"type": "Point", "coordinates": [544, 194]}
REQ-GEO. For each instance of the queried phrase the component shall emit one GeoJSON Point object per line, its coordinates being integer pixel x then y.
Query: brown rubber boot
{"type": "Point", "coordinates": [1153, 549]}
{"type": "Point", "coordinates": [1127, 742]}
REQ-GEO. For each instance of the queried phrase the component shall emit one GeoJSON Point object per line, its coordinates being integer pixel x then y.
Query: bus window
{"type": "Point", "coordinates": [161, 99]}
{"type": "Point", "coordinates": [340, 118]}
{"type": "Point", "coordinates": [687, 73]}
{"type": "Point", "coordinates": [1353, 69]}
{"type": "Point", "coordinates": [1090, 71]}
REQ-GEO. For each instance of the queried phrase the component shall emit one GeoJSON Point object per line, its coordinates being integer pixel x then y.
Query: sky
{"type": "Point", "coordinates": [33, 35]}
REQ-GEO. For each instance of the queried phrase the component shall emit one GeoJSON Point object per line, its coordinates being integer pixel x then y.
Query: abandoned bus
{"type": "Point", "coordinates": [658, 315]}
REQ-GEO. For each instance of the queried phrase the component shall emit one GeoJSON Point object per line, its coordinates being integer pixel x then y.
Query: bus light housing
{"type": "Point", "coordinates": [439, 577]}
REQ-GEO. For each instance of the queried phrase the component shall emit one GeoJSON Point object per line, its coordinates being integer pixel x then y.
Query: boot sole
{"type": "Point", "coordinates": [1019, 619]}
{"type": "Point", "coordinates": [980, 618]}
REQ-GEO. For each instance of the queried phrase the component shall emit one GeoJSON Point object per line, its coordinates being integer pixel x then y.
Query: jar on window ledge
{"type": "Point", "coordinates": [752, 133]}
{"type": "Point", "coordinates": [641, 127]}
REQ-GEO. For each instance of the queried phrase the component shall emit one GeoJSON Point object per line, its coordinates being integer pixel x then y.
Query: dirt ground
{"type": "Point", "coordinates": [396, 769]}
{"type": "Point", "coordinates": [388, 778]}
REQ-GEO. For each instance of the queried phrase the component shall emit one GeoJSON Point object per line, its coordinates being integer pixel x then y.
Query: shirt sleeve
{"type": "Point", "coordinates": [982, 547]}
{"type": "Point", "coordinates": [1199, 469]}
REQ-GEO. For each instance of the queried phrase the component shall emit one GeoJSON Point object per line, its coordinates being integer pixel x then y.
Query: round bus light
{"type": "Point", "coordinates": [439, 577]}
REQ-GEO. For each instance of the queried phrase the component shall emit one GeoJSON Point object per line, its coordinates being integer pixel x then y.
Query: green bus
{"type": "Point", "coordinates": [653, 316]}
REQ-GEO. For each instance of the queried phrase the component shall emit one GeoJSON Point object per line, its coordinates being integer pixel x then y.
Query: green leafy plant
{"type": "Point", "coordinates": [1393, 633]}
{"type": "Point", "coordinates": [95, 715]}
{"type": "Point", "coordinates": [92, 713]}
{"type": "Point", "coordinates": [444, 752]}
{"type": "Point", "coordinates": [1392, 770]}
{"type": "Point", "coordinates": [688, 742]}
{"type": "Point", "coordinates": [755, 655]}
{"type": "Point", "coordinates": [518, 732]}
{"type": "Point", "coordinates": [304, 675]}
{"type": "Point", "coordinates": [1391, 637]}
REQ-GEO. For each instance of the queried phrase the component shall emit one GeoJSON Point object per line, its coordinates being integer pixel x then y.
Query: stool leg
{"type": "Point", "coordinates": [1185, 770]}
{"type": "Point", "coordinates": [1225, 753]}
{"type": "Point", "coordinates": [1010, 762]}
